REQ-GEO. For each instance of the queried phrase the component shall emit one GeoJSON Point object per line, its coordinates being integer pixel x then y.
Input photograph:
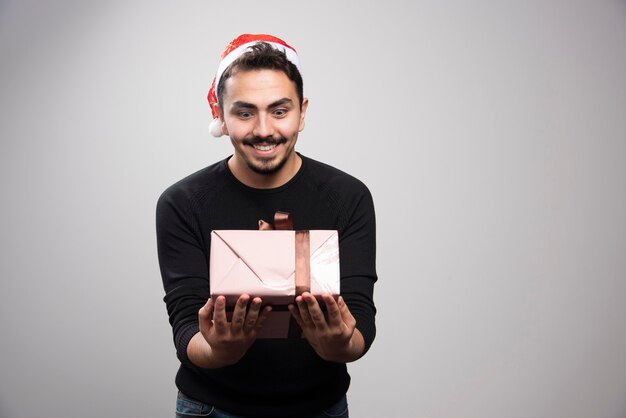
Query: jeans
{"type": "Point", "coordinates": [190, 408]}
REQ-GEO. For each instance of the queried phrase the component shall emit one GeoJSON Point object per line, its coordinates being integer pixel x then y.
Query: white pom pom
{"type": "Point", "coordinates": [216, 128]}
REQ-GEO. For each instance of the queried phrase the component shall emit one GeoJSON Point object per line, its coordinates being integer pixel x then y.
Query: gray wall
{"type": "Point", "coordinates": [492, 135]}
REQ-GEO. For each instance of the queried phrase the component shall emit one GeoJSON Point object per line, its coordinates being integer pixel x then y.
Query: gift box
{"type": "Point", "coordinates": [275, 265]}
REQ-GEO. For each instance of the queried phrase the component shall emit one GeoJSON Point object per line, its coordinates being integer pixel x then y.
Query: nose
{"type": "Point", "coordinates": [263, 127]}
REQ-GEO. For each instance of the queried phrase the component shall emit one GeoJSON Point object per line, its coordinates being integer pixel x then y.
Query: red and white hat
{"type": "Point", "coordinates": [236, 48]}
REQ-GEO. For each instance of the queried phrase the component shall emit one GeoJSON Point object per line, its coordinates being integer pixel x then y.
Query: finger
{"type": "Point", "coordinates": [315, 312]}
{"type": "Point", "coordinates": [334, 314]}
{"type": "Point", "coordinates": [295, 312]}
{"type": "Point", "coordinates": [253, 314]}
{"type": "Point", "coordinates": [303, 310]}
{"type": "Point", "coordinates": [206, 310]}
{"type": "Point", "coordinates": [262, 317]}
{"type": "Point", "coordinates": [205, 313]}
{"type": "Point", "coordinates": [219, 314]}
{"type": "Point", "coordinates": [346, 315]}
{"type": "Point", "coordinates": [239, 313]}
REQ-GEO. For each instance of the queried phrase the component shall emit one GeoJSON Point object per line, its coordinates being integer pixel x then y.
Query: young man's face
{"type": "Point", "coordinates": [262, 116]}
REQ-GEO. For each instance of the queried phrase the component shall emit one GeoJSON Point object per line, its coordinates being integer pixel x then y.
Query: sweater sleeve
{"type": "Point", "coordinates": [183, 263]}
{"type": "Point", "coordinates": [357, 249]}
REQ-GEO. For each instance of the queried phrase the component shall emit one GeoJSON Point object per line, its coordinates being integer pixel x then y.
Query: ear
{"type": "Point", "coordinates": [305, 105]}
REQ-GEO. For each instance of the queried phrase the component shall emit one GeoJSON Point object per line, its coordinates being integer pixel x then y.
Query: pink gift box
{"type": "Point", "coordinates": [268, 264]}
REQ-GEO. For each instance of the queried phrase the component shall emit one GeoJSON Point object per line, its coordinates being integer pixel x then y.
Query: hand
{"type": "Point", "coordinates": [334, 336]}
{"type": "Point", "coordinates": [225, 343]}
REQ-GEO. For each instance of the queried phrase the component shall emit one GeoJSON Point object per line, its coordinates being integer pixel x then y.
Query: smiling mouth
{"type": "Point", "coordinates": [264, 147]}
{"type": "Point", "coordinates": [265, 144]}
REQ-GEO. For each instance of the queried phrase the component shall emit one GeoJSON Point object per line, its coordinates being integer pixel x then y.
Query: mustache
{"type": "Point", "coordinates": [256, 140]}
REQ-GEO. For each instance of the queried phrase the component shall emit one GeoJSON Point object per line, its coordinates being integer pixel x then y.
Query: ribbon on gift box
{"type": "Point", "coordinates": [284, 222]}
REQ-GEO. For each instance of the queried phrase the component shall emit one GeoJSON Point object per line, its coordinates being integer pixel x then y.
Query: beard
{"type": "Point", "coordinates": [266, 166]}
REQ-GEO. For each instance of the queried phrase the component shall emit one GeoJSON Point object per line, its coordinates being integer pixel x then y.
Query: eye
{"type": "Point", "coordinates": [280, 112]}
{"type": "Point", "coordinates": [244, 114]}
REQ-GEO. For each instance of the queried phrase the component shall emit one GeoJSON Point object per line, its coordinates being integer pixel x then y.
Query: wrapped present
{"type": "Point", "coordinates": [275, 265]}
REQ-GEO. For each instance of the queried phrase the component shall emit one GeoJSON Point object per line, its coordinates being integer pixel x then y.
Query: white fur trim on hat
{"type": "Point", "coordinates": [239, 51]}
{"type": "Point", "coordinates": [215, 127]}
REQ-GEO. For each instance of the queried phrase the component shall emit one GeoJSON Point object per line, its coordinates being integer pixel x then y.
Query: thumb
{"type": "Point", "coordinates": [206, 312]}
{"type": "Point", "coordinates": [346, 315]}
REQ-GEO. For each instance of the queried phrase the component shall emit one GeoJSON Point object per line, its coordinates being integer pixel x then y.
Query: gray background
{"type": "Point", "coordinates": [492, 135]}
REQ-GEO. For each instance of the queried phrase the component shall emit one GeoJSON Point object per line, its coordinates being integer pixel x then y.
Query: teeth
{"type": "Point", "coordinates": [264, 147]}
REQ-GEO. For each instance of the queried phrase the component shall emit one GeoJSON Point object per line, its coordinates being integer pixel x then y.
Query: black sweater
{"type": "Point", "coordinates": [276, 378]}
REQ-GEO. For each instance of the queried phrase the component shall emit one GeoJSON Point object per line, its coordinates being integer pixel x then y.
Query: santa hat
{"type": "Point", "coordinates": [236, 48]}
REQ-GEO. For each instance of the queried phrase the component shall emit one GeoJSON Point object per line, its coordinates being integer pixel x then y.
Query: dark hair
{"type": "Point", "coordinates": [262, 56]}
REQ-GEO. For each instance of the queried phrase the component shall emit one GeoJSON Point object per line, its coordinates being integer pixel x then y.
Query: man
{"type": "Point", "coordinates": [257, 100]}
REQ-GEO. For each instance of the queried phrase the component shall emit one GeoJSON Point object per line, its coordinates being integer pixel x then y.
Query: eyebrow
{"type": "Point", "coordinates": [245, 105]}
{"type": "Point", "coordinates": [281, 102]}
